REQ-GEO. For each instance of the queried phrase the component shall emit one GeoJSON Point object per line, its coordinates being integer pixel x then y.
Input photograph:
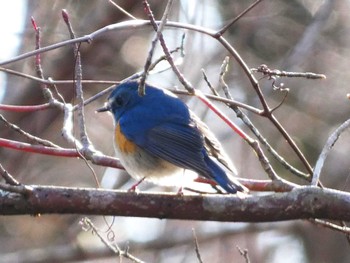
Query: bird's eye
{"type": "Point", "coordinates": [118, 101]}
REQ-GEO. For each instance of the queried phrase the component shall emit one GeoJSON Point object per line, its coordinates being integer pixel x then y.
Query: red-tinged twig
{"type": "Point", "coordinates": [97, 159]}
{"type": "Point", "coordinates": [38, 68]}
{"type": "Point", "coordinates": [218, 112]}
{"type": "Point", "coordinates": [25, 108]}
{"type": "Point", "coordinates": [26, 147]}
{"type": "Point", "coordinates": [37, 30]}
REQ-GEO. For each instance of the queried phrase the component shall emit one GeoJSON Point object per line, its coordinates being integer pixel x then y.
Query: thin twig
{"type": "Point", "coordinates": [195, 240]}
{"type": "Point", "coordinates": [87, 148]}
{"type": "Point", "coordinates": [12, 185]}
{"type": "Point", "coordinates": [122, 10]}
{"type": "Point", "coordinates": [326, 149]}
{"type": "Point", "coordinates": [266, 71]}
{"type": "Point", "coordinates": [87, 225]}
{"type": "Point", "coordinates": [266, 109]}
{"type": "Point", "coordinates": [159, 30]}
{"type": "Point", "coordinates": [31, 138]}
{"type": "Point", "coordinates": [166, 51]}
{"type": "Point", "coordinates": [244, 253]}
{"type": "Point", "coordinates": [253, 143]}
{"type": "Point", "coordinates": [240, 114]}
{"type": "Point", "coordinates": [9, 179]}
{"type": "Point", "coordinates": [51, 81]}
{"type": "Point", "coordinates": [327, 224]}
{"type": "Point", "coordinates": [38, 68]}
{"type": "Point", "coordinates": [87, 151]}
{"type": "Point", "coordinates": [224, 29]}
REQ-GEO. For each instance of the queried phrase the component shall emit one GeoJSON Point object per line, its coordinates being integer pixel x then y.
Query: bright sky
{"type": "Point", "coordinates": [12, 14]}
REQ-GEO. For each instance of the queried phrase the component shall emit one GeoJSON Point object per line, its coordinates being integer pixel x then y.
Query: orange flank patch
{"type": "Point", "coordinates": [125, 145]}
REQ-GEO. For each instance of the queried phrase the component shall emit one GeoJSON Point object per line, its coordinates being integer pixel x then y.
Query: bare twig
{"type": "Point", "coordinates": [244, 253]}
{"type": "Point", "coordinates": [326, 149]}
{"type": "Point", "coordinates": [51, 81]}
{"type": "Point", "coordinates": [253, 143]}
{"type": "Point", "coordinates": [31, 138]}
{"type": "Point", "coordinates": [327, 224]}
{"type": "Point", "coordinates": [155, 25]}
{"type": "Point", "coordinates": [224, 29]}
{"type": "Point", "coordinates": [256, 132]}
{"type": "Point", "coordinates": [87, 225]}
{"type": "Point", "coordinates": [38, 68]}
{"type": "Point", "coordinates": [266, 71]}
{"type": "Point", "coordinates": [8, 178]}
{"type": "Point", "coordinates": [153, 44]}
{"type": "Point", "coordinates": [195, 240]}
{"type": "Point", "coordinates": [12, 185]}
{"type": "Point", "coordinates": [122, 10]}
{"type": "Point", "coordinates": [67, 127]}
{"type": "Point", "coordinates": [87, 148]}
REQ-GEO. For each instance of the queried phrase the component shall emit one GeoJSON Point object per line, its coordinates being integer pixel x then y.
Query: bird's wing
{"type": "Point", "coordinates": [212, 144]}
{"type": "Point", "coordinates": [180, 144]}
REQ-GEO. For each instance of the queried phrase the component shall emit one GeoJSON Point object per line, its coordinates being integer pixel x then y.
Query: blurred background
{"type": "Point", "coordinates": [293, 35]}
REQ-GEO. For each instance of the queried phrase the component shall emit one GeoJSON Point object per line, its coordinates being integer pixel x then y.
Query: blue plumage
{"type": "Point", "coordinates": [168, 137]}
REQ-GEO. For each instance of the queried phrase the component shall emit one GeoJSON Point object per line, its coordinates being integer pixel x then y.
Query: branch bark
{"type": "Point", "coordinates": [300, 203]}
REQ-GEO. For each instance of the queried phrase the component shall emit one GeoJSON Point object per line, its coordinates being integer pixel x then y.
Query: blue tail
{"type": "Point", "coordinates": [220, 177]}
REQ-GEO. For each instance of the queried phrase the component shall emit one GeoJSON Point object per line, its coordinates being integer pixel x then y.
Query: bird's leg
{"type": "Point", "coordinates": [134, 187]}
{"type": "Point", "coordinates": [180, 191]}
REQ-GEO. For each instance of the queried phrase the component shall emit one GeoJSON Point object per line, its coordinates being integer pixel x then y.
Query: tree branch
{"type": "Point", "coordinates": [300, 203]}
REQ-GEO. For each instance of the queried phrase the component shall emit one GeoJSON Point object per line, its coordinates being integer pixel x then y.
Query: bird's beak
{"type": "Point", "coordinates": [106, 107]}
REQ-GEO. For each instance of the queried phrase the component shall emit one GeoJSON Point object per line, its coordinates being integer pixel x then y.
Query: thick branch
{"type": "Point", "coordinates": [301, 203]}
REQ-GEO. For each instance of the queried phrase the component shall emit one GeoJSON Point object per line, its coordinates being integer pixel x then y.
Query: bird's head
{"type": "Point", "coordinates": [122, 98]}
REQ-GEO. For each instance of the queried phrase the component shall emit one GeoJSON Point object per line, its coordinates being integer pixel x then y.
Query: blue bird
{"type": "Point", "coordinates": [157, 137]}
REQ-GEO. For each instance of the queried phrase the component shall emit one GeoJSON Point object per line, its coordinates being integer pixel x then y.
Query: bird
{"type": "Point", "coordinates": [157, 137]}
